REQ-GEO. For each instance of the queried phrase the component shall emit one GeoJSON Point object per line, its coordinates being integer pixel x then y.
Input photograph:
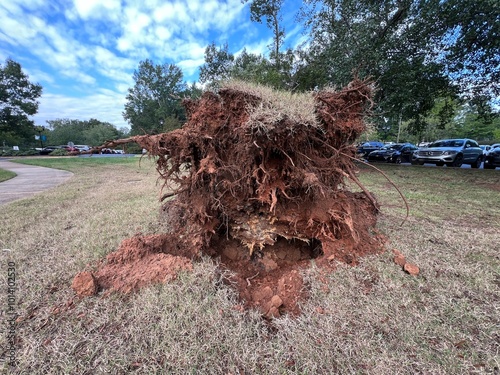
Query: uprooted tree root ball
{"type": "Point", "coordinates": [258, 181]}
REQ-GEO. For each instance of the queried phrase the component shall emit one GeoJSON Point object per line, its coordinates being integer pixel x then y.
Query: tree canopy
{"type": "Point", "coordinates": [92, 132]}
{"type": "Point", "coordinates": [419, 53]}
{"type": "Point", "coordinates": [471, 30]}
{"type": "Point", "coordinates": [270, 10]}
{"type": "Point", "coordinates": [218, 64]}
{"type": "Point", "coordinates": [18, 101]}
{"type": "Point", "coordinates": [154, 99]}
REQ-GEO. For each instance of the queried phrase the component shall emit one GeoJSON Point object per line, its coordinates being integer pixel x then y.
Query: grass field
{"type": "Point", "coordinates": [6, 175]}
{"type": "Point", "coordinates": [369, 319]}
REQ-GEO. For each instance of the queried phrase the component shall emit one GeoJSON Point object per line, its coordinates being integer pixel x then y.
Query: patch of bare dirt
{"type": "Point", "coordinates": [490, 186]}
{"type": "Point", "coordinates": [259, 187]}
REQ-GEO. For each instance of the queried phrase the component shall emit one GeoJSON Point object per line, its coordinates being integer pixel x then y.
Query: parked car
{"type": "Point", "coordinates": [492, 159]}
{"type": "Point", "coordinates": [492, 147]}
{"type": "Point", "coordinates": [485, 148]}
{"type": "Point", "coordinates": [367, 147]}
{"type": "Point", "coordinates": [394, 153]}
{"type": "Point", "coordinates": [82, 148]}
{"type": "Point", "coordinates": [47, 150]}
{"type": "Point", "coordinates": [452, 152]}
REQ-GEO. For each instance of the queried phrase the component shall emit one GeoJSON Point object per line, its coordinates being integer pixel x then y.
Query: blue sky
{"type": "Point", "coordinates": [84, 52]}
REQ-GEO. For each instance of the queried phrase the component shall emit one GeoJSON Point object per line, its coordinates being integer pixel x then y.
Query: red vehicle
{"type": "Point", "coordinates": [71, 150]}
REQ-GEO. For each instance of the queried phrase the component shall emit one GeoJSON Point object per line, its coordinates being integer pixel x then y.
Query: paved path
{"type": "Point", "coordinates": [29, 181]}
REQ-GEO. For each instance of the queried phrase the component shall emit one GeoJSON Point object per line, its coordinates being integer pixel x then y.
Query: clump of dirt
{"type": "Point", "coordinates": [408, 267]}
{"type": "Point", "coordinates": [258, 180]}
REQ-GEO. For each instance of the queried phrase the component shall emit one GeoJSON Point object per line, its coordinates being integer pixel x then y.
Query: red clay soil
{"type": "Point", "coordinates": [262, 193]}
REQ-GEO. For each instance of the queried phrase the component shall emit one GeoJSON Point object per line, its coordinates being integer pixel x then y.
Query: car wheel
{"type": "Point", "coordinates": [477, 163]}
{"type": "Point", "coordinates": [457, 163]}
{"type": "Point", "coordinates": [397, 160]}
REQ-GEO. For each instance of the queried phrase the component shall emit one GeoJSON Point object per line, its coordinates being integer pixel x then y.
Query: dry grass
{"type": "Point", "coordinates": [277, 105]}
{"type": "Point", "coordinates": [370, 319]}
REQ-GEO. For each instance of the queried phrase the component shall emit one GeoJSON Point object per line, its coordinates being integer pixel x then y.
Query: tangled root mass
{"type": "Point", "coordinates": [258, 180]}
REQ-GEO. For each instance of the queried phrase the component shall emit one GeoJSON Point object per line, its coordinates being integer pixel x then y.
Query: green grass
{"type": "Point", "coordinates": [75, 163]}
{"type": "Point", "coordinates": [6, 175]}
{"type": "Point", "coordinates": [369, 319]}
{"type": "Point", "coordinates": [437, 193]}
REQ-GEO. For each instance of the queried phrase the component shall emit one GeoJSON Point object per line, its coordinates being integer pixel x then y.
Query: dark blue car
{"type": "Point", "coordinates": [394, 153]}
{"type": "Point", "coordinates": [368, 147]}
{"type": "Point", "coordinates": [492, 159]}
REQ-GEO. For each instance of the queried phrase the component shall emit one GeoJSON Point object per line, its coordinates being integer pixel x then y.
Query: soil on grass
{"type": "Point", "coordinates": [258, 183]}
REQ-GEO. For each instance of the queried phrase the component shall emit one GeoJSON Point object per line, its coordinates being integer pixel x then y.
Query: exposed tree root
{"type": "Point", "coordinates": [258, 179]}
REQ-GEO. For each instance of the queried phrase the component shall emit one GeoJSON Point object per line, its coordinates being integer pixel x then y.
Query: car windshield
{"type": "Point", "coordinates": [393, 147]}
{"type": "Point", "coordinates": [448, 143]}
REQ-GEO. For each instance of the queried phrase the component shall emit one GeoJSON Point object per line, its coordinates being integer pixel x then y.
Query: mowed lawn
{"type": "Point", "coordinates": [6, 175]}
{"type": "Point", "coordinates": [369, 319]}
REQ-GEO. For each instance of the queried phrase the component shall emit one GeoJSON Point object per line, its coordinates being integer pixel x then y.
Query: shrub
{"type": "Point", "coordinates": [18, 153]}
{"type": "Point", "coordinates": [59, 152]}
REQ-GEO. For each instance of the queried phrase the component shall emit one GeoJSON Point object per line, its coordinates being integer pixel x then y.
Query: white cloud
{"type": "Point", "coordinates": [39, 76]}
{"type": "Point", "coordinates": [91, 47]}
{"type": "Point", "coordinates": [97, 8]}
{"type": "Point", "coordinates": [190, 66]}
{"type": "Point", "coordinates": [295, 37]}
{"type": "Point", "coordinates": [137, 21]}
{"type": "Point", "coordinates": [186, 49]}
{"type": "Point", "coordinates": [123, 44]}
{"type": "Point", "coordinates": [162, 33]}
{"type": "Point", "coordinates": [11, 7]}
{"type": "Point", "coordinates": [135, 30]}
{"type": "Point", "coordinates": [258, 48]}
{"type": "Point", "coordinates": [22, 33]}
{"type": "Point", "coordinates": [290, 34]}
{"type": "Point", "coordinates": [123, 87]}
{"type": "Point", "coordinates": [169, 11]}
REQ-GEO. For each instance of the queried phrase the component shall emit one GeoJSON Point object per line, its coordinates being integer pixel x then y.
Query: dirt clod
{"type": "Point", "coordinates": [84, 284]}
{"type": "Point", "coordinates": [412, 269]}
{"type": "Point", "coordinates": [400, 260]}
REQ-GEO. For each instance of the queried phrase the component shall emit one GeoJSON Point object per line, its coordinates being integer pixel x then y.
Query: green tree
{"type": "Point", "coordinates": [471, 42]}
{"type": "Point", "coordinates": [155, 98]}
{"type": "Point", "coordinates": [388, 41]}
{"type": "Point", "coordinates": [97, 132]}
{"type": "Point", "coordinates": [478, 120]}
{"type": "Point", "coordinates": [18, 101]}
{"type": "Point", "coordinates": [92, 132]}
{"type": "Point", "coordinates": [271, 11]}
{"type": "Point", "coordinates": [218, 64]}
{"type": "Point", "coordinates": [256, 68]}
{"type": "Point", "coordinates": [62, 131]}
{"type": "Point", "coordinates": [407, 46]}
{"type": "Point", "coordinates": [221, 65]}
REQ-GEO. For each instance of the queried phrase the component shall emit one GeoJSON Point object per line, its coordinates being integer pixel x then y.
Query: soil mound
{"type": "Point", "coordinates": [257, 178]}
